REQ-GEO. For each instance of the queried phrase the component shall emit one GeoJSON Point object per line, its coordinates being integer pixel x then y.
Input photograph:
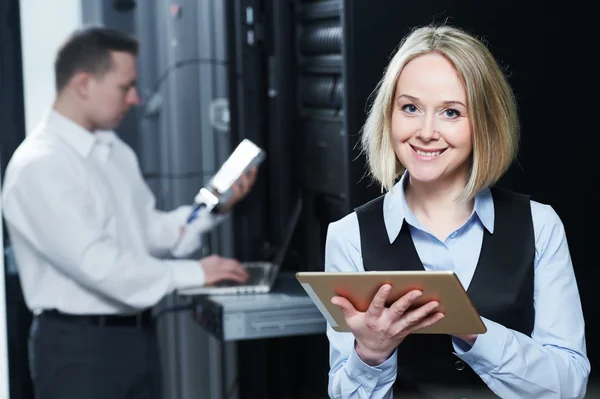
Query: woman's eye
{"type": "Point", "coordinates": [452, 113]}
{"type": "Point", "coordinates": [409, 108]}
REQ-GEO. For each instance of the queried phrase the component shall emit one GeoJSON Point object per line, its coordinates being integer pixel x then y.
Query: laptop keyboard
{"type": "Point", "coordinates": [256, 275]}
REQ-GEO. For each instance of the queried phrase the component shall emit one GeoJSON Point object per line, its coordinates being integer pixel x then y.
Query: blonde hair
{"type": "Point", "coordinates": [491, 105]}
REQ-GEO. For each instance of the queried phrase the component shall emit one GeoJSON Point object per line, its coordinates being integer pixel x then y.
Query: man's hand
{"type": "Point", "coordinates": [240, 189]}
{"type": "Point", "coordinates": [218, 269]}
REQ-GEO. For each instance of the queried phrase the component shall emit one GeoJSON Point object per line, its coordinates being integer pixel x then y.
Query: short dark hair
{"type": "Point", "coordinates": [89, 50]}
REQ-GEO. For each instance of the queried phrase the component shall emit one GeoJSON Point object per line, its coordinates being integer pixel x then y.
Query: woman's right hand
{"type": "Point", "coordinates": [379, 330]}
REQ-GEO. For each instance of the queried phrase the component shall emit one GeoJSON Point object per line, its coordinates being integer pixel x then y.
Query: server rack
{"type": "Point", "coordinates": [325, 59]}
{"type": "Point", "coordinates": [304, 72]}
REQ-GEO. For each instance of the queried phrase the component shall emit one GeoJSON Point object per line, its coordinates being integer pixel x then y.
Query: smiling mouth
{"type": "Point", "coordinates": [428, 153]}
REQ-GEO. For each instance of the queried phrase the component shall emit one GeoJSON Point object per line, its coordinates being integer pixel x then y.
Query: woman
{"type": "Point", "coordinates": [444, 120]}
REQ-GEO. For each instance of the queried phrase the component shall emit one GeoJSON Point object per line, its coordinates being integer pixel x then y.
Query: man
{"type": "Point", "coordinates": [87, 237]}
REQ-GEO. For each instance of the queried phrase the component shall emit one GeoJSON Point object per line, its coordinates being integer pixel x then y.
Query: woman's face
{"type": "Point", "coordinates": [430, 130]}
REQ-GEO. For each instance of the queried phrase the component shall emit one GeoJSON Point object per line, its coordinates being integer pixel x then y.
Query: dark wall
{"type": "Point", "coordinates": [12, 112]}
{"type": "Point", "coordinates": [545, 51]}
{"type": "Point", "coordinates": [12, 132]}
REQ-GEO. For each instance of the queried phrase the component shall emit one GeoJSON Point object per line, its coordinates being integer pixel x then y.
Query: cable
{"type": "Point", "coordinates": [177, 65]}
{"type": "Point", "coordinates": [152, 101]}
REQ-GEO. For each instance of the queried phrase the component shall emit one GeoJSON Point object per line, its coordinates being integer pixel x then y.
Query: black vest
{"type": "Point", "coordinates": [501, 289]}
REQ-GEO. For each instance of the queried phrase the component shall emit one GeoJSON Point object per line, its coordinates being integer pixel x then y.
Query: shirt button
{"type": "Point", "coordinates": [459, 365]}
{"type": "Point", "coordinates": [369, 376]}
{"type": "Point", "coordinates": [453, 234]}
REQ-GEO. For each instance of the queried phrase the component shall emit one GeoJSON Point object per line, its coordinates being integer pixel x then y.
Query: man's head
{"type": "Point", "coordinates": [96, 74]}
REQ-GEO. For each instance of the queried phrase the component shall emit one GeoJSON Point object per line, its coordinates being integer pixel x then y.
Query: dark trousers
{"type": "Point", "coordinates": [69, 360]}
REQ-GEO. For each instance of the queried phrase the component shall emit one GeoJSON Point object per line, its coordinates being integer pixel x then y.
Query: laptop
{"type": "Point", "coordinates": [262, 275]}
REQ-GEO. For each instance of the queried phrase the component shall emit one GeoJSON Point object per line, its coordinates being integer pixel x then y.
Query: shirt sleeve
{"type": "Point", "coordinates": [349, 376]}
{"type": "Point", "coordinates": [169, 232]}
{"type": "Point", "coordinates": [54, 220]}
{"type": "Point", "coordinates": [552, 363]}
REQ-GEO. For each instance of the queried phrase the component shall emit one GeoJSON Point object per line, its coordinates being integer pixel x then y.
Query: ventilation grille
{"type": "Point", "coordinates": [322, 92]}
{"type": "Point", "coordinates": [321, 40]}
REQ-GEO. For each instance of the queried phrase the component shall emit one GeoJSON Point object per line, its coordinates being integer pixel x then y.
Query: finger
{"type": "Point", "coordinates": [235, 264]}
{"type": "Point", "coordinates": [243, 180]}
{"type": "Point", "coordinates": [414, 317]}
{"type": "Point", "coordinates": [236, 190]}
{"type": "Point", "coordinates": [403, 303]}
{"type": "Point", "coordinates": [378, 303]}
{"type": "Point", "coordinates": [231, 265]}
{"type": "Point", "coordinates": [252, 175]}
{"type": "Point", "coordinates": [234, 275]}
{"type": "Point", "coordinates": [244, 184]}
{"type": "Point", "coordinates": [345, 306]}
{"type": "Point", "coordinates": [426, 322]}
{"type": "Point", "coordinates": [236, 268]}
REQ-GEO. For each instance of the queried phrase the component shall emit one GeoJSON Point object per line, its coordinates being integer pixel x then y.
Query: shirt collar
{"type": "Point", "coordinates": [396, 210]}
{"type": "Point", "coordinates": [106, 137]}
{"type": "Point", "coordinates": [104, 141]}
{"type": "Point", "coordinates": [75, 135]}
{"type": "Point", "coordinates": [81, 139]}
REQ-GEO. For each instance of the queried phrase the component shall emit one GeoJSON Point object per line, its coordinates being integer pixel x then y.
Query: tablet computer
{"type": "Point", "coordinates": [219, 189]}
{"type": "Point", "coordinates": [360, 288]}
{"type": "Point", "coordinates": [245, 156]}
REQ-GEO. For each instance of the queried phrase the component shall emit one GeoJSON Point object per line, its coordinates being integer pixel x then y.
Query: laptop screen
{"type": "Point", "coordinates": [289, 233]}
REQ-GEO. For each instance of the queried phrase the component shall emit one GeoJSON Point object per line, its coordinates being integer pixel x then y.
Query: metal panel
{"type": "Point", "coordinates": [182, 70]}
{"type": "Point", "coordinates": [4, 376]}
{"type": "Point", "coordinates": [283, 312]}
{"type": "Point", "coordinates": [148, 148]}
{"type": "Point", "coordinates": [191, 149]}
{"type": "Point", "coordinates": [181, 139]}
{"type": "Point", "coordinates": [324, 156]}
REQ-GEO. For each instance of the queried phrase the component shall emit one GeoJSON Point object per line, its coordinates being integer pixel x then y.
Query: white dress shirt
{"type": "Point", "coordinates": [552, 363]}
{"type": "Point", "coordinates": [83, 225]}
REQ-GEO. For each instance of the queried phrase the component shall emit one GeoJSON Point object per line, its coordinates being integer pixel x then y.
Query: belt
{"type": "Point", "coordinates": [139, 320]}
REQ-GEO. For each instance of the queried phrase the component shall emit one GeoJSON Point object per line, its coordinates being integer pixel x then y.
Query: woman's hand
{"type": "Point", "coordinates": [379, 330]}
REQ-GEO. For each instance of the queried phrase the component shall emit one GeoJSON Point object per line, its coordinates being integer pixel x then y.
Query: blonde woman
{"type": "Point", "coordinates": [444, 121]}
